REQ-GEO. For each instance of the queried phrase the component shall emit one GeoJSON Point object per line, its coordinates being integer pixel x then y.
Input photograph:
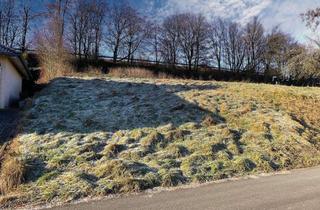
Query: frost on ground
{"type": "Point", "coordinates": [99, 136]}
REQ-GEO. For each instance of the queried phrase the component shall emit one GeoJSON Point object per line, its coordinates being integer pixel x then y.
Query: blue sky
{"type": "Point", "coordinates": [285, 13]}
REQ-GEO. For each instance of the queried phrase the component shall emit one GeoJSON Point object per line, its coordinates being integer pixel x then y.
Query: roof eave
{"type": "Point", "coordinates": [21, 67]}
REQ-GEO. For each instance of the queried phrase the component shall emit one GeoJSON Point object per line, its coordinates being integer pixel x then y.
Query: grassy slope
{"type": "Point", "coordinates": [89, 137]}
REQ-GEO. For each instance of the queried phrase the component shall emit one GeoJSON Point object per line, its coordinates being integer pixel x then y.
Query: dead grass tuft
{"type": "Point", "coordinates": [112, 150]}
{"type": "Point", "coordinates": [12, 168]}
{"type": "Point", "coordinates": [12, 174]}
{"type": "Point", "coordinates": [153, 140]}
{"type": "Point", "coordinates": [172, 178]}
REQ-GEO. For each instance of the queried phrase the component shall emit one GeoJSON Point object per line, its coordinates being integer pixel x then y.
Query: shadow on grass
{"type": "Point", "coordinates": [8, 124]}
{"type": "Point", "coordinates": [86, 106]}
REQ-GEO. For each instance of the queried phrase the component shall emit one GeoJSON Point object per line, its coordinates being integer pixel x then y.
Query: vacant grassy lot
{"type": "Point", "coordinates": [99, 136]}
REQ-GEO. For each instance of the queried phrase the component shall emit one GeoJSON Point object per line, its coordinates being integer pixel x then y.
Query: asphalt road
{"type": "Point", "coordinates": [299, 189]}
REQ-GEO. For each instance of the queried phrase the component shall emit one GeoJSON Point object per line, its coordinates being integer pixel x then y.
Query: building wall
{"type": "Point", "coordinates": [10, 83]}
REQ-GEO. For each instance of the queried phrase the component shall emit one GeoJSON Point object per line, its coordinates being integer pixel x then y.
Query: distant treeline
{"type": "Point", "coordinates": [80, 29]}
{"type": "Point", "coordinates": [182, 72]}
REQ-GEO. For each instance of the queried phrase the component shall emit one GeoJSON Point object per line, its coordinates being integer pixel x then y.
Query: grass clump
{"type": "Point", "coordinates": [153, 141]}
{"type": "Point", "coordinates": [243, 165]}
{"type": "Point", "coordinates": [112, 150]}
{"type": "Point", "coordinates": [12, 167]}
{"type": "Point", "coordinates": [68, 186]}
{"type": "Point", "coordinates": [191, 165]}
{"type": "Point", "coordinates": [171, 178]}
{"type": "Point", "coordinates": [11, 174]}
{"type": "Point", "coordinates": [115, 169]}
{"type": "Point", "coordinates": [177, 151]}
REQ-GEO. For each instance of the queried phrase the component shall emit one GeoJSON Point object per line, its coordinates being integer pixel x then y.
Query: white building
{"type": "Point", "coordinates": [13, 70]}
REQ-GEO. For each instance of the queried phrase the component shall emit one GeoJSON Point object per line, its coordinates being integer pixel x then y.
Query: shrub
{"type": "Point", "coordinates": [54, 62]}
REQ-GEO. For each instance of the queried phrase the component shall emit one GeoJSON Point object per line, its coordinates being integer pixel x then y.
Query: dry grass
{"type": "Point", "coordinates": [97, 136]}
{"type": "Point", "coordinates": [12, 169]}
{"type": "Point", "coordinates": [131, 73]}
{"type": "Point", "coordinates": [137, 73]}
{"type": "Point", "coordinates": [12, 172]}
{"type": "Point", "coordinates": [54, 62]}
{"type": "Point", "coordinates": [53, 65]}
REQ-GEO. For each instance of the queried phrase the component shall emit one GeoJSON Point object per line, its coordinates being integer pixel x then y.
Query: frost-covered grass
{"type": "Point", "coordinates": [99, 136]}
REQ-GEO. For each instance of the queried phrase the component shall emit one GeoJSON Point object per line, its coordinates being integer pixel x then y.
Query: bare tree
{"type": "Point", "coordinates": [193, 34]}
{"type": "Point", "coordinates": [201, 31]}
{"type": "Point", "coordinates": [99, 10]}
{"type": "Point", "coordinates": [217, 40]}
{"type": "Point", "coordinates": [187, 38]}
{"type": "Point", "coordinates": [86, 21]}
{"type": "Point", "coordinates": [136, 33]}
{"type": "Point", "coordinates": [153, 40]}
{"type": "Point", "coordinates": [312, 18]}
{"type": "Point", "coordinates": [234, 47]}
{"type": "Point", "coordinates": [304, 64]}
{"type": "Point", "coordinates": [9, 23]}
{"type": "Point", "coordinates": [51, 46]}
{"type": "Point", "coordinates": [57, 13]}
{"type": "Point", "coordinates": [118, 22]}
{"type": "Point", "coordinates": [278, 46]}
{"type": "Point", "coordinates": [255, 45]}
{"type": "Point", "coordinates": [27, 17]}
{"type": "Point", "coordinates": [170, 39]}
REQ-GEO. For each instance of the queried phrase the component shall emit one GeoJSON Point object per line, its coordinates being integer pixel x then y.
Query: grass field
{"type": "Point", "coordinates": [98, 136]}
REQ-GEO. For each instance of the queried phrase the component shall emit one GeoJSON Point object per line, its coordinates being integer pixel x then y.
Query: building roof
{"type": "Point", "coordinates": [17, 61]}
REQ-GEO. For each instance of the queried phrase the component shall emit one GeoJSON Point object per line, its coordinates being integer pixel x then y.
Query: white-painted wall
{"type": "Point", "coordinates": [10, 83]}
